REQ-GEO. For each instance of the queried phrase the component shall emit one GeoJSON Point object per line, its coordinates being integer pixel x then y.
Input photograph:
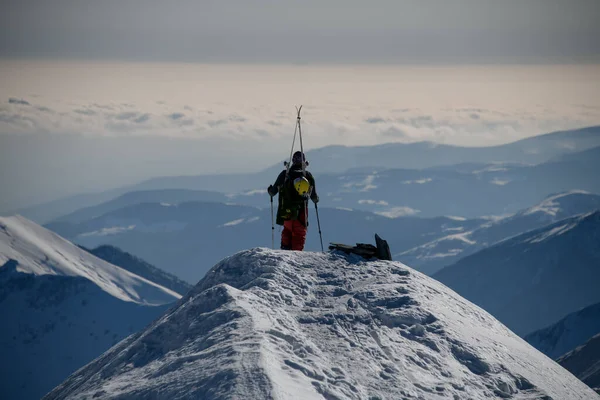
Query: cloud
{"type": "Point", "coordinates": [133, 116]}
{"type": "Point", "coordinates": [14, 100]}
{"type": "Point", "coordinates": [176, 116]}
{"type": "Point", "coordinates": [87, 111]}
{"type": "Point", "coordinates": [419, 121]}
{"type": "Point", "coordinates": [217, 122]}
{"type": "Point", "coordinates": [129, 115]}
{"type": "Point", "coordinates": [18, 121]}
{"type": "Point", "coordinates": [235, 118]}
{"type": "Point", "coordinates": [338, 115]}
{"type": "Point", "coordinates": [394, 132]}
{"type": "Point", "coordinates": [45, 109]}
{"type": "Point", "coordinates": [142, 118]}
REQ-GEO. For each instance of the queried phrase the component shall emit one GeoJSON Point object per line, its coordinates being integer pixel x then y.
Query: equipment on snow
{"type": "Point", "coordinates": [381, 251]}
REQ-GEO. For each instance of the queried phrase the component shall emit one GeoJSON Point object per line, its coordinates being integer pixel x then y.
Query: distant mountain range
{"type": "Point", "coordinates": [427, 178]}
{"type": "Point", "coordinates": [568, 333]}
{"type": "Point", "coordinates": [433, 256]}
{"type": "Point", "coordinates": [532, 280]}
{"type": "Point", "coordinates": [61, 307]}
{"type": "Point", "coordinates": [467, 189]}
{"type": "Point", "coordinates": [182, 239]}
{"type": "Point", "coordinates": [422, 155]}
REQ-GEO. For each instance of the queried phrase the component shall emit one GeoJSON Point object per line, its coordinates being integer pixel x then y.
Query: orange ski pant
{"type": "Point", "coordinates": [293, 235]}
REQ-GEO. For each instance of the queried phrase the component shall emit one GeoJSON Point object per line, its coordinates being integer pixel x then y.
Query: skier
{"type": "Point", "coordinates": [295, 186]}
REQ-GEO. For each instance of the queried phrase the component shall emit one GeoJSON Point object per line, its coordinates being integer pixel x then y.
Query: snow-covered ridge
{"type": "Point", "coordinates": [584, 362]}
{"type": "Point", "coordinates": [568, 333]}
{"type": "Point", "coordinates": [551, 205]}
{"type": "Point", "coordinates": [444, 251]}
{"type": "Point", "coordinates": [40, 252]}
{"type": "Point", "coordinates": [269, 324]}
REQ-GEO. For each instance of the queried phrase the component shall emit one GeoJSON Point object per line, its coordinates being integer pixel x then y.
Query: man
{"type": "Point", "coordinates": [295, 186]}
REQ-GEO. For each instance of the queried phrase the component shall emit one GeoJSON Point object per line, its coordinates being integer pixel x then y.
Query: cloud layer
{"type": "Point", "coordinates": [330, 125]}
{"type": "Point", "coordinates": [80, 126]}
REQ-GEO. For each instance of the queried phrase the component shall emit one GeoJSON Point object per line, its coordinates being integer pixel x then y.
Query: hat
{"type": "Point", "coordinates": [298, 158]}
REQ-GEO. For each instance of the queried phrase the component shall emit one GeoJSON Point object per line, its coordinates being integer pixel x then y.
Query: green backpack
{"type": "Point", "coordinates": [291, 202]}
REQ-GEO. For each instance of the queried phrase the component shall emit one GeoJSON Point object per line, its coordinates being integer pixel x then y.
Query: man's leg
{"type": "Point", "coordinates": [286, 236]}
{"type": "Point", "coordinates": [298, 236]}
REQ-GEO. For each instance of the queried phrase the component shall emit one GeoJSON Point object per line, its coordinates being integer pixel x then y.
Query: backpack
{"type": "Point", "coordinates": [291, 202]}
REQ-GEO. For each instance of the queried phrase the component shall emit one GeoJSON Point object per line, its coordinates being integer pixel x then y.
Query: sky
{"type": "Point", "coordinates": [303, 31]}
{"type": "Point", "coordinates": [99, 94]}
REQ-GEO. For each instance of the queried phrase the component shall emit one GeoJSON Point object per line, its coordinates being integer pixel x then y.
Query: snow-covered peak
{"type": "Point", "coordinates": [267, 324]}
{"type": "Point", "coordinates": [39, 251]}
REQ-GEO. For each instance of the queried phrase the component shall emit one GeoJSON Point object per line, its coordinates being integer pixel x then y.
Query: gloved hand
{"type": "Point", "coordinates": [271, 190]}
{"type": "Point", "coordinates": [315, 199]}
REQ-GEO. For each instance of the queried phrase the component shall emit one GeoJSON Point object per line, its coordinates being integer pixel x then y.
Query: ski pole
{"type": "Point", "coordinates": [272, 226]}
{"type": "Point", "coordinates": [319, 225]}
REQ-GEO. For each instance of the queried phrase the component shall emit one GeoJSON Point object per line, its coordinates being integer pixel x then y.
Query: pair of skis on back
{"type": "Point", "coordinates": [288, 165]}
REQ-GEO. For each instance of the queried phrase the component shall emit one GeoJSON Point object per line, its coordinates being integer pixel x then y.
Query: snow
{"type": "Point", "coordinates": [456, 218]}
{"type": "Point", "coordinates": [440, 248]}
{"type": "Point", "coordinates": [374, 202]}
{"type": "Point", "coordinates": [551, 205]}
{"type": "Point", "coordinates": [584, 362]}
{"type": "Point", "coordinates": [54, 324]}
{"type": "Point", "coordinates": [254, 192]}
{"type": "Point", "coordinates": [499, 182]}
{"type": "Point", "coordinates": [568, 333]}
{"type": "Point", "coordinates": [40, 252]}
{"type": "Point", "coordinates": [267, 324]}
{"type": "Point", "coordinates": [109, 231]}
{"type": "Point", "coordinates": [240, 221]}
{"type": "Point", "coordinates": [365, 185]}
{"type": "Point", "coordinates": [556, 231]}
{"type": "Point", "coordinates": [417, 181]}
{"type": "Point", "coordinates": [234, 222]}
{"type": "Point", "coordinates": [395, 212]}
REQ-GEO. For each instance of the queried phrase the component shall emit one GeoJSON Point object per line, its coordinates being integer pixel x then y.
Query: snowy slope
{"type": "Point", "coordinates": [584, 362]}
{"type": "Point", "coordinates": [568, 333]}
{"type": "Point", "coordinates": [269, 324]}
{"type": "Point", "coordinates": [54, 324]}
{"type": "Point", "coordinates": [532, 280]}
{"type": "Point", "coordinates": [61, 307]}
{"type": "Point", "coordinates": [433, 256]}
{"type": "Point", "coordinates": [136, 265]}
{"type": "Point", "coordinates": [40, 252]}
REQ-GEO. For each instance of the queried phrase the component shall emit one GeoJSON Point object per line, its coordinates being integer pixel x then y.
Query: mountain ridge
{"type": "Point", "coordinates": [287, 325]}
{"type": "Point", "coordinates": [534, 279]}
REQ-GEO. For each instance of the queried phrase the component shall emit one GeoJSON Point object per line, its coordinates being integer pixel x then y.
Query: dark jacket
{"type": "Point", "coordinates": [276, 188]}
